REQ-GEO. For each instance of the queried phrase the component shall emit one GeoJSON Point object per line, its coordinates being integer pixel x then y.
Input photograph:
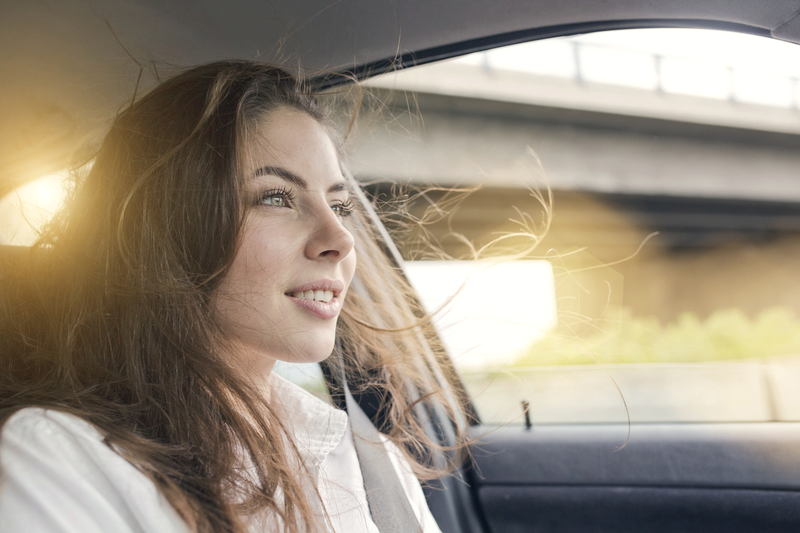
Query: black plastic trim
{"type": "Point", "coordinates": [560, 509]}
{"type": "Point", "coordinates": [733, 455]}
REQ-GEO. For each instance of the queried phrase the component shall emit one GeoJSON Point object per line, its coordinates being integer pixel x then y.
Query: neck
{"type": "Point", "coordinates": [255, 365]}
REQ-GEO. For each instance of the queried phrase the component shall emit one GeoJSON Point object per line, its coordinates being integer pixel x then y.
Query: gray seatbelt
{"type": "Point", "coordinates": [387, 500]}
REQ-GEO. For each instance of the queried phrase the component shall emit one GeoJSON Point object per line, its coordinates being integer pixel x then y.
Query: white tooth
{"type": "Point", "coordinates": [328, 296]}
{"type": "Point", "coordinates": [319, 295]}
{"type": "Point", "coordinates": [309, 295]}
{"type": "Point", "coordinates": [298, 295]}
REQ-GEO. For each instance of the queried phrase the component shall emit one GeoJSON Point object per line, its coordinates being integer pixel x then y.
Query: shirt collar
{"type": "Point", "coordinates": [316, 426]}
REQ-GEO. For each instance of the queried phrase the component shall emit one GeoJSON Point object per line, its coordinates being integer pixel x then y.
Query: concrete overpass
{"type": "Point", "coordinates": [717, 178]}
{"type": "Point", "coordinates": [473, 126]}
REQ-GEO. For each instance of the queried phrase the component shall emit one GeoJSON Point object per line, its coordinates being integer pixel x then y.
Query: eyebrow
{"type": "Point", "coordinates": [291, 177]}
{"type": "Point", "coordinates": [282, 173]}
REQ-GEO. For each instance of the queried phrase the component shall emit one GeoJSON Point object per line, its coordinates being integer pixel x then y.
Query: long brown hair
{"type": "Point", "coordinates": [109, 316]}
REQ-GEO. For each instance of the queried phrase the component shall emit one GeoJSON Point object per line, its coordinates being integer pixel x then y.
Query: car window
{"type": "Point", "coordinates": [665, 285]}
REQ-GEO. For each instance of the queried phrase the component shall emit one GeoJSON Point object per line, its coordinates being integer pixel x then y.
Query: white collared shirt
{"type": "Point", "coordinates": [57, 475]}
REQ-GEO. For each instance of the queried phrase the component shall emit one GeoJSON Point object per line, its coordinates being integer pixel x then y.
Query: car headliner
{"type": "Point", "coordinates": [81, 57]}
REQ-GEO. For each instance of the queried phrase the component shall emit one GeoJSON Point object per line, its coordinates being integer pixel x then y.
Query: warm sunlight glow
{"type": "Point", "coordinates": [24, 211]}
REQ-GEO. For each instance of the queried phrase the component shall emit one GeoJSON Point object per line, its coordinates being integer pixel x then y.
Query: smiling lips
{"type": "Point", "coordinates": [319, 297]}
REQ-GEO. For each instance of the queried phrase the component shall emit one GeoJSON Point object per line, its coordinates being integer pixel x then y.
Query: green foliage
{"type": "Point", "coordinates": [621, 337]}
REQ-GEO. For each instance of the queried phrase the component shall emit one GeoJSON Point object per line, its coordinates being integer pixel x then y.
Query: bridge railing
{"type": "Point", "coordinates": [587, 62]}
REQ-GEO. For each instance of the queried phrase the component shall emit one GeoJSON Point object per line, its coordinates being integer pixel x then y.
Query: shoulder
{"type": "Point", "coordinates": [33, 437]}
{"type": "Point", "coordinates": [57, 474]}
{"type": "Point", "coordinates": [38, 424]}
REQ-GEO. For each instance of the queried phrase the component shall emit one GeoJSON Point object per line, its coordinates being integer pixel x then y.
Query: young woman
{"type": "Point", "coordinates": [216, 233]}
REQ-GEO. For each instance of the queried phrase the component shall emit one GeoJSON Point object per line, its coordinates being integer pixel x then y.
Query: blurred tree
{"type": "Point", "coordinates": [621, 337]}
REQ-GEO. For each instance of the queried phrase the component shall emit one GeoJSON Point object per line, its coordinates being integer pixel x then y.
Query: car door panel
{"type": "Point", "coordinates": [668, 477]}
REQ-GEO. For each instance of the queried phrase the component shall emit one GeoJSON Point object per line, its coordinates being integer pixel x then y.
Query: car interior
{"type": "Point", "coordinates": [68, 66]}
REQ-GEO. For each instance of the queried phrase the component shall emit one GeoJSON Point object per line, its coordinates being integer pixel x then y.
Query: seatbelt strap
{"type": "Point", "coordinates": [387, 500]}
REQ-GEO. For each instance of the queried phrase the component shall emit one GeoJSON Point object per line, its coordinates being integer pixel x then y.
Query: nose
{"type": "Point", "coordinates": [329, 238]}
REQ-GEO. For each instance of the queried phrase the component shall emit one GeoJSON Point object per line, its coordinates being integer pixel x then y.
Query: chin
{"type": "Point", "coordinates": [311, 352]}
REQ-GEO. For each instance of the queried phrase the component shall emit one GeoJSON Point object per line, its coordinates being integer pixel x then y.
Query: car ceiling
{"type": "Point", "coordinates": [68, 65]}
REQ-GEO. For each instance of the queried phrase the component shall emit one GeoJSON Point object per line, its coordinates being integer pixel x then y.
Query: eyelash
{"type": "Point", "coordinates": [346, 207]}
{"type": "Point", "coordinates": [285, 193]}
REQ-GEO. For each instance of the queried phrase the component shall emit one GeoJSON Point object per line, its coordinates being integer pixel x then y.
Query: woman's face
{"type": "Point", "coordinates": [282, 295]}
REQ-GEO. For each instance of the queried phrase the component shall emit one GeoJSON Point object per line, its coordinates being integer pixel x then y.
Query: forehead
{"type": "Point", "coordinates": [293, 140]}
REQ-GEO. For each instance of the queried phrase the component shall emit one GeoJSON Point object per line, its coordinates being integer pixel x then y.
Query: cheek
{"type": "Point", "coordinates": [262, 258]}
{"type": "Point", "coordinates": [267, 247]}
